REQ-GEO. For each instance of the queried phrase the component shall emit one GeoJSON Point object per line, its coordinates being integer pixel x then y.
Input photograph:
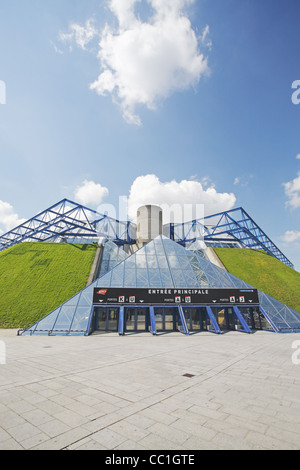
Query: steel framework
{"type": "Point", "coordinates": [66, 220]}
{"type": "Point", "coordinates": [69, 220]}
{"type": "Point", "coordinates": [234, 225]}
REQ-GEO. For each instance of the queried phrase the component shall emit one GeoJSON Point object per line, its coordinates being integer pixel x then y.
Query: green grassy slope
{"type": "Point", "coordinates": [35, 278]}
{"type": "Point", "coordinates": [263, 272]}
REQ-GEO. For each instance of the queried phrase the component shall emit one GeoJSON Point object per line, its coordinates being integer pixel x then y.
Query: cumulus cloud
{"type": "Point", "coordinates": [9, 219]}
{"type": "Point", "coordinates": [181, 201]}
{"type": "Point", "coordinates": [291, 236]}
{"type": "Point", "coordinates": [292, 191]}
{"type": "Point", "coordinates": [145, 61]}
{"type": "Point", "coordinates": [90, 193]}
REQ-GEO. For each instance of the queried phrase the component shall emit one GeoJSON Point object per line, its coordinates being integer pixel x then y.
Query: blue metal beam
{"type": "Point", "coordinates": [152, 320]}
{"type": "Point", "coordinates": [213, 320]}
{"type": "Point", "coordinates": [121, 321]}
{"type": "Point", "coordinates": [66, 219]}
{"type": "Point", "coordinates": [236, 224]}
{"type": "Point", "coordinates": [183, 320]}
{"type": "Point", "coordinates": [241, 319]}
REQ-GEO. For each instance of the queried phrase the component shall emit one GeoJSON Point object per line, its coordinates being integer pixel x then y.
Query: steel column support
{"type": "Point", "coordinates": [241, 319]}
{"type": "Point", "coordinates": [121, 320]}
{"type": "Point", "coordinates": [183, 320]}
{"type": "Point", "coordinates": [152, 320]}
{"type": "Point", "coordinates": [213, 320]}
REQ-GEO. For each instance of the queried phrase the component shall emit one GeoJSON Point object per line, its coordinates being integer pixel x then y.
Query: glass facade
{"type": "Point", "coordinates": [162, 263]}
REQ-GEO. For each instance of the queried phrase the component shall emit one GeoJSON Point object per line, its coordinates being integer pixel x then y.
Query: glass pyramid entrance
{"type": "Point", "coordinates": [162, 263]}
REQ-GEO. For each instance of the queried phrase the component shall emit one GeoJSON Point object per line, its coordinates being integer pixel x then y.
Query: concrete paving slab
{"type": "Point", "coordinates": [171, 392]}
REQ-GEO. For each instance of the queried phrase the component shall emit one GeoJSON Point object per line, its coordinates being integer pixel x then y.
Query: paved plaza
{"type": "Point", "coordinates": [132, 392]}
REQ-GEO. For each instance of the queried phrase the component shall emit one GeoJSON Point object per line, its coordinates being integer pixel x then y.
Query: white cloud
{"type": "Point", "coordinates": [90, 193]}
{"type": "Point", "coordinates": [143, 62]}
{"type": "Point", "coordinates": [291, 236]}
{"type": "Point", "coordinates": [8, 218]}
{"type": "Point", "coordinates": [81, 35]}
{"type": "Point", "coordinates": [298, 156]}
{"type": "Point", "coordinates": [292, 190]}
{"type": "Point", "coordinates": [205, 37]}
{"type": "Point", "coordinates": [181, 201]}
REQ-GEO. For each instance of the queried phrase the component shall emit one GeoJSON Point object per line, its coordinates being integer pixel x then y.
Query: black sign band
{"type": "Point", "coordinates": [175, 296]}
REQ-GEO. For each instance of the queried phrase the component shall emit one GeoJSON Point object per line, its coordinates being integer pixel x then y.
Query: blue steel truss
{"type": "Point", "coordinates": [234, 225]}
{"type": "Point", "coordinates": [69, 220]}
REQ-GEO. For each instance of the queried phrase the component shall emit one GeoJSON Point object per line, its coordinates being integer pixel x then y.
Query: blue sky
{"type": "Point", "coordinates": [227, 127]}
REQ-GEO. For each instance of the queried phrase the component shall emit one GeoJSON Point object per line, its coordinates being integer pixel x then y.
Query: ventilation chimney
{"type": "Point", "coordinates": [149, 223]}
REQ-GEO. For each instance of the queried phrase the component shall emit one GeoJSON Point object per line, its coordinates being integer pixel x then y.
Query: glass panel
{"type": "Point", "coordinates": [150, 250]}
{"type": "Point", "coordinates": [64, 319]}
{"type": "Point", "coordinates": [152, 262]}
{"type": "Point", "coordinates": [264, 324]}
{"type": "Point", "coordinates": [73, 301]}
{"type": "Point", "coordinates": [170, 247]}
{"type": "Point", "coordinates": [46, 324]}
{"type": "Point", "coordinates": [141, 319]}
{"type": "Point", "coordinates": [112, 319]}
{"type": "Point", "coordinates": [85, 300]}
{"type": "Point", "coordinates": [220, 314]}
{"type": "Point", "coordinates": [130, 278]}
{"type": "Point", "coordinates": [232, 319]}
{"type": "Point", "coordinates": [166, 278]}
{"type": "Point", "coordinates": [173, 262]}
{"type": "Point", "coordinates": [169, 321]}
{"type": "Point", "coordinates": [249, 317]}
{"type": "Point", "coordinates": [154, 278]}
{"type": "Point", "coordinates": [159, 318]}
{"type": "Point", "coordinates": [140, 260]}
{"type": "Point", "coordinates": [130, 319]}
{"type": "Point", "coordinates": [117, 277]}
{"type": "Point", "coordinates": [183, 262]}
{"type": "Point", "coordinates": [142, 278]}
{"type": "Point", "coordinates": [101, 322]}
{"type": "Point", "coordinates": [179, 280]}
{"type": "Point", "coordinates": [204, 318]}
{"type": "Point", "coordinates": [130, 262]}
{"type": "Point", "coordinates": [104, 281]}
{"type": "Point", "coordinates": [80, 321]}
{"type": "Point", "coordinates": [195, 314]}
{"type": "Point", "coordinates": [162, 262]}
{"type": "Point", "coordinates": [159, 247]}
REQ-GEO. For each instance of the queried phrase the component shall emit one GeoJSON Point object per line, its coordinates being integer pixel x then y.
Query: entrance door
{"type": "Point", "coordinates": [231, 319]}
{"type": "Point", "coordinates": [222, 319]}
{"type": "Point", "coordinates": [136, 319]}
{"type": "Point", "coordinates": [107, 319]}
{"type": "Point", "coordinates": [166, 318]}
{"type": "Point", "coordinates": [159, 318]}
{"type": "Point", "coordinates": [225, 317]}
{"type": "Point", "coordinates": [195, 318]}
{"type": "Point", "coordinates": [169, 319]}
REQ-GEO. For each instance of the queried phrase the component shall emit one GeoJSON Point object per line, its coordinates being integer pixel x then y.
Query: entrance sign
{"type": "Point", "coordinates": [175, 296]}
